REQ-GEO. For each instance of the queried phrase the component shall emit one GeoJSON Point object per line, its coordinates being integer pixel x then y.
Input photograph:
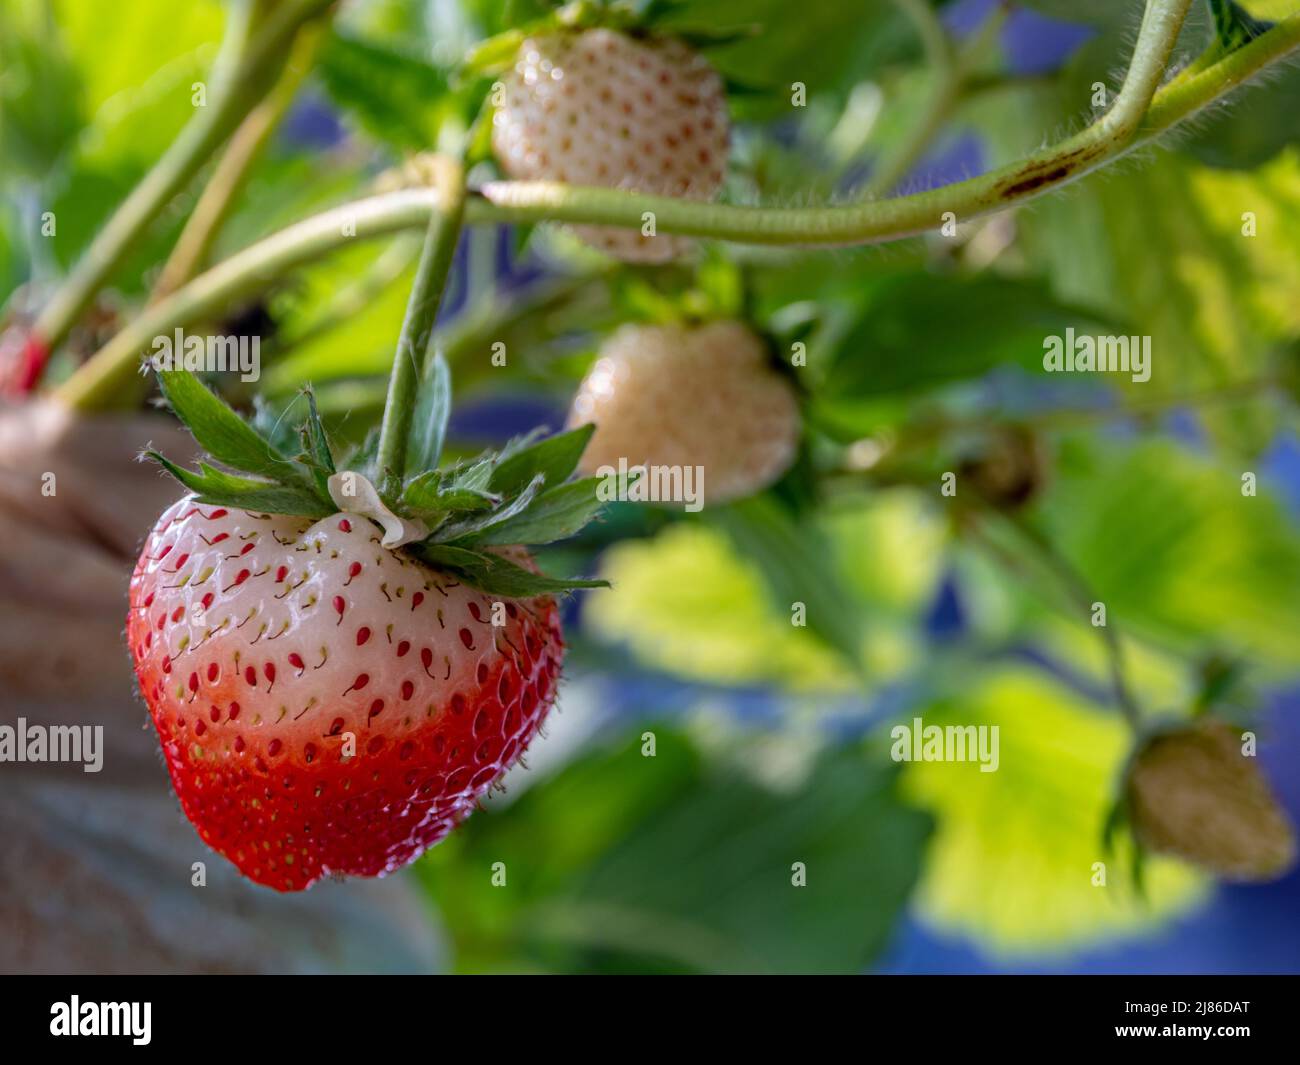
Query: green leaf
{"type": "Point", "coordinates": [363, 459]}
{"type": "Point", "coordinates": [466, 500]}
{"type": "Point", "coordinates": [554, 459]}
{"type": "Point", "coordinates": [472, 476]}
{"type": "Point", "coordinates": [218, 487]}
{"type": "Point", "coordinates": [429, 419]}
{"type": "Point", "coordinates": [223, 433]}
{"type": "Point", "coordinates": [494, 54]}
{"type": "Point", "coordinates": [736, 909]}
{"type": "Point", "coordinates": [796, 565]}
{"type": "Point", "coordinates": [723, 850]}
{"type": "Point", "coordinates": [495, 575]}
{"type": "Point", "coordinates": [426, 498]}
{"type": "Point", "coordinates": [393, 93]}
{"type": "Point", "coordinates": [829, 46]}
{"type": "Point", "coordinates": [688, 603]}
{"type": "Point", "coordinates": [1178, 554]}
{"type": "Point", "coordinates": [272, 422]}
{"type": "Point", "coordinates": [1012, 866]}
{"type": "Point", "coordinates": [1233, 25]}
{"type": "Point", "coordinates": [919, 331]}
{"type": "Point", "coordinates": [556, 514]}
{"type": "Point", "coordinates": [1262, 120]}
{"type": "Point", "coordinates": [1215, 305]}
{"type": "Point", "coordinates": [116, 48]}
{"type": "Point", "coordinates": [422, 491]}
{"type": "Point", "coordinates": [39, 102]}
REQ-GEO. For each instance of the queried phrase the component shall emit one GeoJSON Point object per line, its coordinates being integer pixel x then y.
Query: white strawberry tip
{"type": "Point", "coordinates": [353, 493]}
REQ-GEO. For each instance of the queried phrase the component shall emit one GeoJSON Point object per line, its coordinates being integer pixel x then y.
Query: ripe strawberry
{"type": "Point", "coordinates": [324, 704]}
{"type": "Point", "coordinates": [22, 358]}
{"type": "Point", "coordinates": [598, 107]}
{"type": "Point", "coordinates": [1192, 793]}
{"type": "Point", "coordinates": [686, 397]}
{"type": "Point", "coordinates": [328, 704]}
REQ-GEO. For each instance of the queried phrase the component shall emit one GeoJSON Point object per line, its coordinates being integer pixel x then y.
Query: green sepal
{"type": "Point", "coordinates": [217, 487]}
{"type": "Point", "coordinates": [222, 433]}
{"type": "Point", "coordinates": [472, 476]}
{"type": "Point", "coordinates": [470, 528]}
{"type": "Point", "coordinates": [426, 498]}
{"type": "Point", "coordinates": [556, 514]}
{"type": "Point", "coordinates": [363, 459]}
{"type": "Point", "coordinates": [317, 456]}
{"type": "Point", "coordinates": [495, 575]}
{"type": "Point", "coordinates": [554, 459]}
{"type": "Point", "coordinates": [429, 419]}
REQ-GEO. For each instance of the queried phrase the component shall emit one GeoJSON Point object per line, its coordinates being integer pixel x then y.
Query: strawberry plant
{"type": "Point", "coordinates": [912, 384]}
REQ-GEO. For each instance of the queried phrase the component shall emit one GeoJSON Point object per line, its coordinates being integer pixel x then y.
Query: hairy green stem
{"type": "Point", "coordinates": [889, 219]}
{"type": "Point", "coordinates": [242, 83]}
{"type": "Point", "coordinates": [96, 384]}
{"type": "Point", "coordinates": [247, 271]}
{"type": "Point", "coordinates": [421, 314]}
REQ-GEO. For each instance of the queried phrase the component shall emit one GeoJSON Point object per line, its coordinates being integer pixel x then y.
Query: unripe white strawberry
{"type": "Point", "coordinates": [598, 107]}
{"type": "Point", "coordinates": [684, 397]}
{"type": "Point", "coordinates": [1192, 793]}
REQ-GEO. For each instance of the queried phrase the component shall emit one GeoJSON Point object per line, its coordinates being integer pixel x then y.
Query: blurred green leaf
{"type": "Point", "coordinates": [39, 100]}
{"type": "Point", "coordinates": [1013, 861]}
{"type": "Point", "coordinates": [396, 95]}
{"type": "Point", "coordinates": [917, 331]}
{"type": "Point", "coordinates": [798, 568]}
{"type": "Point", "coordinates": [714, 620]}
{"type": "Point", "coordinates": [1165, 248]}
{"type": "Point", "coordinates": [1261, 120]}
{"type": "Point", "coordinates": [116, 47]}
{"type": "Point", "coordinates": [578, 848]}
{"type": "Point", "coordinates": [829, 46]}
{"type": "Point", "coordinates": [1177, 552]}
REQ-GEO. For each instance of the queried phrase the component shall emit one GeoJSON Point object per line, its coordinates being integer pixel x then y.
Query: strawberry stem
{"type": "Point", "coordinates": [251, 61]}
{"type": "Point", "coordinates": [232, 170]}
{"type": "Point", "coordinates": [94, 385]}
{"type": "Point", "coordinates": [417, 328]}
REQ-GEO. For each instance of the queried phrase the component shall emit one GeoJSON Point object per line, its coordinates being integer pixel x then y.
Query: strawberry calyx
{"type": "Point", "coordinates": [523, 495]}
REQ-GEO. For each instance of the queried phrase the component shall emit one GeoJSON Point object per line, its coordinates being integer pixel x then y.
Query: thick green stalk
{"type": "Point", "coordinates": [96, 385]}
{"type": "Point", "coordinates": [421, 314]}
{"type": "Point", "coordinates": [92, 386]}
{"type": "Point", "coordinates": [243, 82]}
{"type": "Point", "coordinates": [232, 170]}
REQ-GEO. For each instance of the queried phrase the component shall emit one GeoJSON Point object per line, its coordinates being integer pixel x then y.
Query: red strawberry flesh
{"type": "Point", "coordinates": [326, 705]}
